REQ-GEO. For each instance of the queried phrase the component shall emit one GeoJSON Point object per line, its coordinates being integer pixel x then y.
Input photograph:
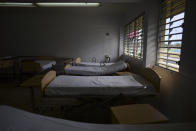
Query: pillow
{"type": "Point", "coordinates": [50, 76]}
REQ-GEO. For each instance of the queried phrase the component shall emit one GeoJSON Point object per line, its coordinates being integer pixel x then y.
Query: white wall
{"type": "Point", "coordinates": [68, 32]}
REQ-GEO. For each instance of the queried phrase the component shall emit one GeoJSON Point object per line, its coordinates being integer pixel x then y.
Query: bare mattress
{"type": "Point", "coordinates": [99, 85]}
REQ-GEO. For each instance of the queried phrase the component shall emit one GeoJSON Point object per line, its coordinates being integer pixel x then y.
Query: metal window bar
{"type": "Point", "coordinates": [170, 34]}
{"type": "Point", "coordinates": [172, 21]}
{"type": "Point", "coordinates": [171, 28]}
{"type": "Point", "coordinates": [168, 65]}
{"type": "Point", "coordinates": [170, 47]}
{"type": "Point", "coordinates": [169, 59]}
{"type": "Point", "coordinates": [170, 40]}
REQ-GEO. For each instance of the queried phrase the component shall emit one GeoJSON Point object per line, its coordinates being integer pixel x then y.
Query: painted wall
{"type": "Point", "coordinates": [68, 32]}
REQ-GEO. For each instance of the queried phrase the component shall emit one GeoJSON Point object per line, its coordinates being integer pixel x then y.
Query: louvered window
{"type": "Point", "coordinates": [133, 38]}
{"type": "Point", "coordinates": [171, 34]}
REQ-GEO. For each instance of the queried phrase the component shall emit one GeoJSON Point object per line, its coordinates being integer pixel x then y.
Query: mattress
{"type": "Point", "coordinates": [13, 119]}
{"type": "Point", "coordinates": [45, 64]}
{"type": "Point", "coordinates": [95, 70]}
{"type": "Point", "coordinates": [98, 85]}
{"type": "Point", "coordinates": [93, 64]}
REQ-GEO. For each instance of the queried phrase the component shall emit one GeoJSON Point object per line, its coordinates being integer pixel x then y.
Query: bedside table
{"type": "Point", "coordinates": [137, 114]}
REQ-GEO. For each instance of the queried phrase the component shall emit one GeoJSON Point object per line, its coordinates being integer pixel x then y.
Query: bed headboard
{"type": "Point", "coordinates": [67, 66]}
{"type": "Point", "coordinates": [78, 60]}
{"type": "Point", "coordinates": [150, 75]}
{"type": "Point", "coordinates": [51, 75]}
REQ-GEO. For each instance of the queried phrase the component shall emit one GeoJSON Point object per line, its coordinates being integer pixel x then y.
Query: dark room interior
{"type": "Point", "coordinates": [97, 65]}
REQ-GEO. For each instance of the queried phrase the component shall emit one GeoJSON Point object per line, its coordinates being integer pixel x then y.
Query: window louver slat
{"type": "Point", "coordinates": [170, 34]}
{"type": "Point", "coordinates": [133, 38]}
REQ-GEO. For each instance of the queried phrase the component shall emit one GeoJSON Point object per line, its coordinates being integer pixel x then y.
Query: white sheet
{"type": "Point", "coordinates": [98, 85]}
{"type": "Point", "coordinates": [93, 64]}
{"type": "Point", "coordinates": [13, 119]}
{"type": "Point", "coordinates": [96, 71]}
{"type": "Point", "coordinates": [45, 64]}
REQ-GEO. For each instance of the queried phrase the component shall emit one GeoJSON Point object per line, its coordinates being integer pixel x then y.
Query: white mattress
{"type": "Point", "coordinates": [93, 64]}
{"type": "Point", "coordinates": [98, 85]}
{"type": "Point", "coordinates": [13, 119]}
{"type": "Point", "coordinates": [45, 64]}
{"type": "Point", "coordinates": [95, 70]}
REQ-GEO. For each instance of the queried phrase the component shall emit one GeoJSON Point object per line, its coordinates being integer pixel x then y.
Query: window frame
{"type": "Point", "coordinates": [160, 35]}
{"type": "Point", "coordinates": [127, 36]}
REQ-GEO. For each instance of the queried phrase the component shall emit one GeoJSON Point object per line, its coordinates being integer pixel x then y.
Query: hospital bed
{"type": "Point", "coordinates": [40, 63]}
{"type": "Point", "coordinates": [95, 70]}
{"type": "Point", "coordinates": [96, 89]}
{"type": "Point", "coordinates": [29, 68]}
{"type": "Point", "coordinates": [91, 89]}
{"type": "Point", "coordinates": [32, 66]}
{"type": "Point", "coordinates": [18, 120]}
{"type": "Point", "coordinates": [64, 85]}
